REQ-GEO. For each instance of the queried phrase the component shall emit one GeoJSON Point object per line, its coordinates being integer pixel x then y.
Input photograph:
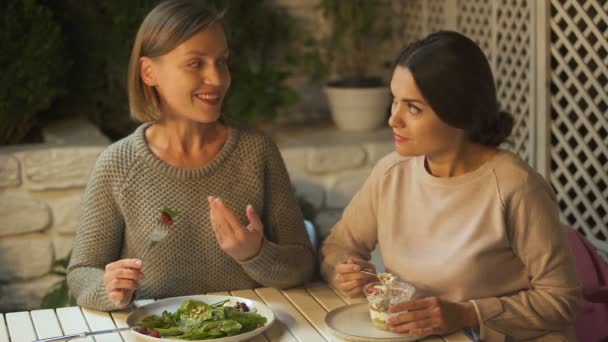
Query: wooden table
{"type": "Point", "coordinates": [300, 314]}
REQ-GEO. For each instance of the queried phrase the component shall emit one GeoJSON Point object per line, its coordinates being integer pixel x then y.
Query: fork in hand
{"type": "Point", "coordinates": [157, 235]}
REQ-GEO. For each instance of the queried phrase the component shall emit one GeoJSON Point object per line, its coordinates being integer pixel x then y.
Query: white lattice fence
{"type": "Point", "coordinates": [477, 20]}
{"type": "Point", "coordinates": [513, 56]}
{"type": "Point", "coordinates": [436, 15]}
{"type": "Point", "coordinates": [561, 131]}
{"type": "Point", "coordinates": [411, 25]}
{"type": "Point", "coordinates": [579, 113]}
{"type": "Point", "coordinates": [502, 29]}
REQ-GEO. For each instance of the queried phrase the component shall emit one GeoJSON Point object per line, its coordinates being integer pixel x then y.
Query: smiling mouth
{"type": "Point", "coordinates": [212, 99]}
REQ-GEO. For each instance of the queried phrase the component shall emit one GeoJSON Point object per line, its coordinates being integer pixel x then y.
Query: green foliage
{"type": "Point", "coordinates": [33, 63]}
{"type": "Point", "coordinates": [260, 37]}
{"type": "Point", "coordinates": [59, 295]}
{"type": "Point", "coordinates": [100, 36]}
{"type": "Point", "coordinates": [357, 29]}
{"type": "Point", "coordinates": [41, 38]}
{"type": "Point", "coordinates": [171, 212]}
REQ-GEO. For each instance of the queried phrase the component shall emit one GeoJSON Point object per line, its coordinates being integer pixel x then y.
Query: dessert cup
{"type": "Point", "coordinates": [381, 296]}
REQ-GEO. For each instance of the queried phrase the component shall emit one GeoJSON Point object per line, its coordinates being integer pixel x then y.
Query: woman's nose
{"type": "Point", "coordinates": [395, 121]}
{"type": "Point", "coordinates": [214, 76]}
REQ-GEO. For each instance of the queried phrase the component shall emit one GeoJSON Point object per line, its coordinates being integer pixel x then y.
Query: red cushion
{"type": "Point", "coordinates": [592, 321]}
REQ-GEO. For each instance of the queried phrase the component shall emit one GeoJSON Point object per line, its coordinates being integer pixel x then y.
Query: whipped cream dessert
{"type": "Point", "coordinates": [381, 295]}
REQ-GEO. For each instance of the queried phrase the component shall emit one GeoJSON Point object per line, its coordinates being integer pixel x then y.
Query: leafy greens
{"type": "Point", "coordinates": [195, 320]}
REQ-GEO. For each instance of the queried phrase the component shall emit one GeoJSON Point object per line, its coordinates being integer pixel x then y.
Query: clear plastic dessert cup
{"type": "Point", "coordinates": [380, 297]}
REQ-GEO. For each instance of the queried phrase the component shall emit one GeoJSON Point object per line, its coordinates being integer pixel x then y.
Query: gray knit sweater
{"type": "Point", "coordinates": [128, 186]}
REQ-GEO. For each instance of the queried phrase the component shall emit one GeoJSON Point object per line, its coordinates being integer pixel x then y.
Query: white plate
{"type": "Point", "coordinates": [172, 304]}
{"type": "Point", "coordinates": [353, 323]}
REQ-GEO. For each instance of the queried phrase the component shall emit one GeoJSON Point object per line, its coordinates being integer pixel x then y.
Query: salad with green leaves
{"type": "Point", "coordinates": [195, 320]}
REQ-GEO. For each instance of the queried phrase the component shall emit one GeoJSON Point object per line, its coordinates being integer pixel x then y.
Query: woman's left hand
{"type": "Point", "coordinates": [432, 316]}
{"type": "Point", "coordinates": [240, 242]}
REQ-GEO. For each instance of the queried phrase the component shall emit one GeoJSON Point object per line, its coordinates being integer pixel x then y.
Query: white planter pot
{"type": "Point", "coordinates": [358, 109]}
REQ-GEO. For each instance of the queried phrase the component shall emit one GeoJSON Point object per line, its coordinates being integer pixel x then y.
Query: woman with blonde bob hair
{"type": "Point", "coordinates": [238, 225]}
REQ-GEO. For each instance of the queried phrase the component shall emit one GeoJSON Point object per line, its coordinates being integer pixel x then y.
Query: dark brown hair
{"type": "Point", "coordinates": [455, 78]}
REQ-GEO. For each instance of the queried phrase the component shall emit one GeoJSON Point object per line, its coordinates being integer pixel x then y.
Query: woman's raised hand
{"type": "Point", "coordinates": [240, 242]}
{"type": "Point", "coordinates": [349, 280]}
{"type": "Point", "coordinates": [121, 278]}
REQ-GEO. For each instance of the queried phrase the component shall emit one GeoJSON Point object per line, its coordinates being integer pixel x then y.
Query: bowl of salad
{"type": "Point", "coordinates": [200, 318]}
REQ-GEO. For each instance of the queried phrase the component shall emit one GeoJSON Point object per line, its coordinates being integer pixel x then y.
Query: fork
{"type": "Point", "coordinates": [369, 273]}
{"type": "Point", "coordinates": [157, 235]}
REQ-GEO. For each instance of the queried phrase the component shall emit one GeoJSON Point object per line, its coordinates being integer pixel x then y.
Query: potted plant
{"type": "Point", "coordinates": [357, 98]}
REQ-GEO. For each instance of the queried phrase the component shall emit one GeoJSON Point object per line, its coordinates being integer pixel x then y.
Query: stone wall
{"type": "Point", "coordinates": [41, 188]}
{"type": "Point", "coordinates": [328, 173]}
{"type": "Point", "coordinates": [40, 193]}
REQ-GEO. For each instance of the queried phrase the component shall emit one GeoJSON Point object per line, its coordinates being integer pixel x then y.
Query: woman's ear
{"type": "Point", "coordinates": [147, 71]}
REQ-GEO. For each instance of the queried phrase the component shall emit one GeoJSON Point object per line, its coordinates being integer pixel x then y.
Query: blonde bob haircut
{"type": "Point", "coordinates": [168, 25]}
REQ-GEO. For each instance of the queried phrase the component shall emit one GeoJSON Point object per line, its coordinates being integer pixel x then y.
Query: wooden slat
{"type": "Point", "coordinates": [72, 322]}
{"type": "Point", "coordinates": [456, 337]}
{"type": "Point", "coordinates": [46, 323]}
{"type": "Point", "coordinates": [98, 320]}
{"type": "Point", "coordinates": [312, 310]}
{"type": "Point", "coordinates": [347, 299]}
{"type": "Point", "coordinates": [219, 293]}
{"type": "Point", "coordinates": [258, 338]}
{"type": "Point", "coordinates": [438, 339]}
{"type": "Point", "coordinates": [249, 294]}
{"type": "Point", "coordinates": [20, 327]}
{"type": "Point", "coordinates": [289, 315]}
{"type": "Point", "coordinates": [120, 319]}
{"type": "Point", "coordinates": [328, 299]}
{"type": "Point", "coordinates": [277, 331]}
{"type": "Point", "coordinates": [300, 316]}
{"type": "Point", "coordinates": [3, 330]}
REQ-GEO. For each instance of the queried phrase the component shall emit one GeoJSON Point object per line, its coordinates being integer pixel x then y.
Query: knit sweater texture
{"type": "Point", "coordinates": [120, 209]}
{"type": "Point", "coordinates": [491, 236]}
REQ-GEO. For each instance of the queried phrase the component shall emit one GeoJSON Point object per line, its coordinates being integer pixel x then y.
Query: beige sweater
{"type": "Point", "coordinates": [491, 236]}
{"type": "Point", "coordinates": [128, 186]}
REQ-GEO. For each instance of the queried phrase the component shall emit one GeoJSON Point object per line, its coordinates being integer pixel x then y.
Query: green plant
{"type": "Point", "coordinates": [356, 30]}
{"type": "Point", "coordinates": [33, 63]}
{"type": "Point", "coordinates": [100, 35]}
{"type": "Point", "coordinates": [59, 295]}
{"type": "Point", "coordinates": [261, 38]}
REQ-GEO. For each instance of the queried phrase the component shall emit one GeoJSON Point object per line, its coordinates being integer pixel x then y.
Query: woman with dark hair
{"type": "Point", "coordinates": [471, 226]}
